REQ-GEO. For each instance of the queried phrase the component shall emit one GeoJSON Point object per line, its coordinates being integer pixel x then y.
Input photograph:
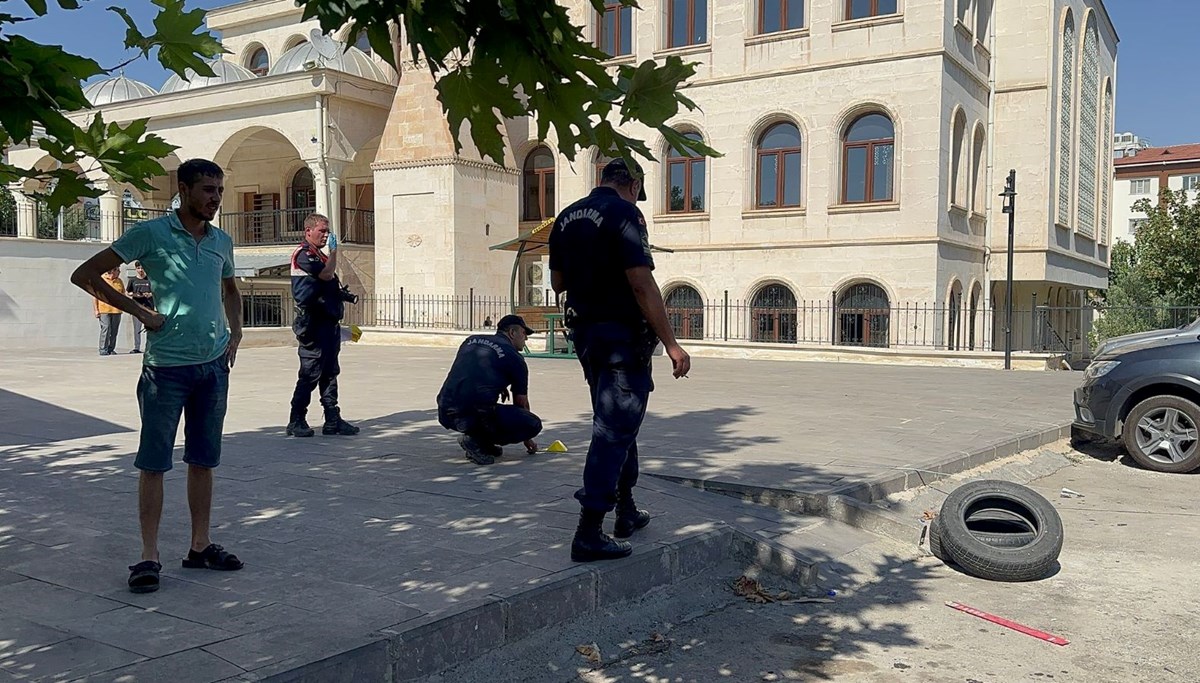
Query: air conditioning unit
{"type": "Point", "coordinates": [535, 278]}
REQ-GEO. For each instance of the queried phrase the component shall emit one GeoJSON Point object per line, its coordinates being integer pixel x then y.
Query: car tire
{"type": "Point", "coordinates": [1138, 432]}
{"type": "Point", "coordinates": [997, 528]}
{"type": "Point", "coordinates": [1020, 558]}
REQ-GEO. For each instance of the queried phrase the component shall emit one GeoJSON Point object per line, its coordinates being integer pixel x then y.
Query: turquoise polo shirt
{"type": "Point", "coordinates": [185, 276]}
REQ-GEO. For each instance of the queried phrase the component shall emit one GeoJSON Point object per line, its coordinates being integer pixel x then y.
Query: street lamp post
{"type": "Point", "coordinates": [1010, 208]}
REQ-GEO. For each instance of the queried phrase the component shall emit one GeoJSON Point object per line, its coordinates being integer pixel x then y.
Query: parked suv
{"type": "Point", "coordinates": [1191, 330]}
{"type": "Point", "coordinates": [1146, 393]}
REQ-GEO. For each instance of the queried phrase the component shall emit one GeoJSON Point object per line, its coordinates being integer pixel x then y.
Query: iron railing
{"type": "Point", "coordinates": [358, 226]}
{"type": "Point", "coordinates": [1072, 331]}
{"type": "Point", "coordinates": [274, 226]}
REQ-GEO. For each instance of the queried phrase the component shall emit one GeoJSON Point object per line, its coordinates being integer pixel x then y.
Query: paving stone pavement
{"type": "Point", "coordinates": [391, 545]}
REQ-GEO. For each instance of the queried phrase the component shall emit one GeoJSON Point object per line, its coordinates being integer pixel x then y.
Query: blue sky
{"type": "Point", "coordinates": [1158, 73]}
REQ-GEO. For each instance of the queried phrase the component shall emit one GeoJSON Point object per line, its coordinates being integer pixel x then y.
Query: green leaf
{"type": "Point", "coordinates": [181, 43]}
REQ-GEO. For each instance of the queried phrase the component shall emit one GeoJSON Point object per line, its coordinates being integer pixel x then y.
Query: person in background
{"type": "Point", "coordinates": [109, 315]}
{"type": "Point", "coordinates": [320, 305]}
{"type": "Point", "coordinates": [138, 288]}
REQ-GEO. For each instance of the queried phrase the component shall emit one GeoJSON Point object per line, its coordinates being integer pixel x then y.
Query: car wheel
{"type": "Point", "coordinates": [1028, 523]}
{"type": "Point", "coordinates": [1160, 434]}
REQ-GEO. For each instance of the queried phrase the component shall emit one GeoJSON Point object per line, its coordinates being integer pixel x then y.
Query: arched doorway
{"type": "Point", "coordinates": [863, 316]}
{"type": "Point", "coordinates": [773, 315]}
{"type": "Point", "coordinates": [976, 293]}
{"type": "Point", "coordinates": [685, 312]}
{"type": "Point", "coordinates": [954, 317]}
{"type": "Point", "coordinates": [302, 198]}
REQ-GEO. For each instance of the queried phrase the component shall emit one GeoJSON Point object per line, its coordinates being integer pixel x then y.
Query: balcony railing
{"type": "Point", "coordinates": [274, 226]}
{"type": "Point", "coordinates": [286, 226]}
{"type": "Point", "coordinates": [358, 226]}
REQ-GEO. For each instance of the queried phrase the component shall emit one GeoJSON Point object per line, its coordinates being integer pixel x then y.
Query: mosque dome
{"type": "Point", "coordinates": [226, 72]}
{"type": "Point", "coordinates": [347, 60]}
{"type": "Point", "coordinates": [116, 89]}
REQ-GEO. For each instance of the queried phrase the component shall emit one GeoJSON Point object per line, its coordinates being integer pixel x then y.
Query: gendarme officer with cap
{"type": "Point", "coordinates": [600, 256]}
{"type": "Point", "coordinates": [486, 367]}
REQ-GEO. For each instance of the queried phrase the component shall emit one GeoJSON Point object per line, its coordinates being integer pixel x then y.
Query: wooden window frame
{"type": "Point", "coordinates": [617, 40]}
{"type": "Point", "coordinates": [541, 174]}
{"type": "Point", "coordinates": [869, 145]}
{"type": "Point", "coordinates": [849, 6]}
{"type": "Point", "coordinates": [691, 25]}
{"type": "Point", "coordinates": [688, 163]}
{"type": "Point", "coordinates": [780, 172]}
{"type": "Point", "coordinates": [783, 18]}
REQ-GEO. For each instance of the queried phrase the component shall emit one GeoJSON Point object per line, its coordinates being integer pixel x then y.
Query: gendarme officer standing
{"type": "Point", "coordinates": [320, 304]}
{"type": "Point", "coordinates": [600, 256]}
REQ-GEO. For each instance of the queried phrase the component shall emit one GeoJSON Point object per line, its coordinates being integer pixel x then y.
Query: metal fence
{"type": "Point", "coordinates": [1072, 331]}
{"type": "Point", "coordinates": [275, 308]}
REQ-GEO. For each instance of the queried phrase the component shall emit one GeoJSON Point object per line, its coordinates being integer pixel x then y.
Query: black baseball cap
{"type": "Point", "coordinates": [510, 320]}
{"type": "Point", "coordinates": [619, 164]}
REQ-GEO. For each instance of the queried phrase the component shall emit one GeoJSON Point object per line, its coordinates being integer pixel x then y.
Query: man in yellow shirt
{"type": "Point", "coordinates": [108, 315]}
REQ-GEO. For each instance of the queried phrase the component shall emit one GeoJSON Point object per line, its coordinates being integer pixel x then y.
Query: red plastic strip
{"type": "Point", "coordinates": [1041, 635]}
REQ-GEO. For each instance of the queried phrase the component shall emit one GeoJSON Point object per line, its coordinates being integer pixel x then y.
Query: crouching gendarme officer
{"type": "Point", "coordinates": [320, 304]}
{"type": "Point", "coordinates": [484, 369]}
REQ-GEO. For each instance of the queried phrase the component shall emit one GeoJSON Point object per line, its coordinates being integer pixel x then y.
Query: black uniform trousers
{"type": "Point", "coordinates": [320, 342]}
{"type": "Point", "coordinates": [494, 425]}
{"type": "Point", "coordinates": [616, 362]}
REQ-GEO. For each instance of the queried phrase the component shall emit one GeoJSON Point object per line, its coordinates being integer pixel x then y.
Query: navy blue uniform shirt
{"type": "Point", "coordinates": [311, 292]}
{"type": "Point", "coordinates": [592, 243]}
{"type": "Point", "coordinates": [485, 364]}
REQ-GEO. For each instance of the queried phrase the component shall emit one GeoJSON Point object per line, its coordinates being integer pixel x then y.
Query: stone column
{"type": "Point", "coordinates": [26, 213]}
{"type": "Point", "coordinates": [326, 181]}
{"type": "Point", "coordinates": [110, 216]}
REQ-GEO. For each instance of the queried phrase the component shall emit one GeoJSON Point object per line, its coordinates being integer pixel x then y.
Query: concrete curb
{"type": "Point", "coordinates": [416, 649]}
{"type": "Point", "coordinates": [853, 504]}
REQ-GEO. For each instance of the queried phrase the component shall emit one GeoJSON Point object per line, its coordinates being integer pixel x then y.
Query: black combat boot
{"type": "Point", "coordinates": [591, 543]}
{"type": "Point", "coordinates": [334, 424]}
{"type": "Point", "coordinates": [298, 426]}
{"type": "Point", "coordinates": [629, 517]}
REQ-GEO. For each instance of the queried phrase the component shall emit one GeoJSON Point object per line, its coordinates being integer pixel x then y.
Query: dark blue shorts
{"type": "Point", "coordinates": [197, 392]}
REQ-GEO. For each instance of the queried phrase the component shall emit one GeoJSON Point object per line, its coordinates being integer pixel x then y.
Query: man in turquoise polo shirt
{"type": "Point", "coordinates": [191, 344]}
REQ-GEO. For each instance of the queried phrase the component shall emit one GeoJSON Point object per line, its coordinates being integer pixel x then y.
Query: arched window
{"type": "Point", "coordinates": [1105, 161]}
{"type": "Point", "coordinates": [773, 315]}
{"type": "Point", "coordinates": [778, 167]}
{"type": "Point", "coordinates": [303, 191]}
{"type": "Point", "coordinates": [780, 15]}
{"type": "Point", "coordinates": [685, 180]}
{"type": "Point", "coordinates": [976, 293]}
{"type": "Point", "coordinates": [978, 151]}
{"type": "Point", "coordinates": [954, 317]}
{"type": "Point", "coordinates": [687, 22]}
{"type": "Point", "coordinates": [867, 160]}
{"type": "Point", "coordinates": [958, 134]}
{"type": "Point", "coordinates": [863, 316]}
{"type": "Point", "coordinates": [539, 185]}
{"type": "Point", "coordinates": [601, 161]}
{"type": "Point", "coordinates": [259, 62]}
{"type": "Point", "coordinates": [685, 312]}
{"type": "Point", "coordinates": [1089, 117]}
{"type": "Point", "coordinates": [1066, 117]}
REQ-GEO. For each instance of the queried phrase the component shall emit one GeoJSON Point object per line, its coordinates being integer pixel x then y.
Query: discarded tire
{"type": "Point", "coordinates": [998, 530]}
